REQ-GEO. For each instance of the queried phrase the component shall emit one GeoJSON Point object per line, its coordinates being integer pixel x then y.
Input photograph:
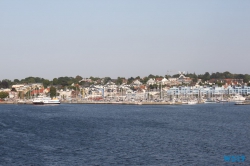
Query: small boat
{"type": "Point", "coordinates": [209, 101]}
{"type": "Point", "coordinates": [223, 101]}
{"type": "Point", "coordinates": [237, 98]}
{"type": "Point", "coordinates": [192, 102]}
{"type": "Point", "coordinates": [21, 102]}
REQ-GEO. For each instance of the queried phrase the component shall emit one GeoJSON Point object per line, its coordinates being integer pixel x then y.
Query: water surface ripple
{"type": "Point", "coordinates": [72, 134]}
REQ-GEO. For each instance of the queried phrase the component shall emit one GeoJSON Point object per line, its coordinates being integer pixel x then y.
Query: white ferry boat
{"type": "Point", "coordinates": [40, 100]}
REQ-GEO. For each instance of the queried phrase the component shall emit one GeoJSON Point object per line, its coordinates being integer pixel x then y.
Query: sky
{"type": "Point", "coordinates": [100, 38]}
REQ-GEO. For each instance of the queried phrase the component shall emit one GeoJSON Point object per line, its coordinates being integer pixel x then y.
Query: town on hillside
{"type": "Point", "coordinates": [181, 88]}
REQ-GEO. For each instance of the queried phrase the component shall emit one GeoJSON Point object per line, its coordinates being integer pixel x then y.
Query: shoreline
{"type": "Point", "coordinates": [115, 103]}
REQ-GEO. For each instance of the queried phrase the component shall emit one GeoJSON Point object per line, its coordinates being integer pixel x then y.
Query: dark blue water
{"type": "Point", "coordinates": [123, 134]}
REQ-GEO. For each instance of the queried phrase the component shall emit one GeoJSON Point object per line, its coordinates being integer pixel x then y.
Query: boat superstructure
{"type": "Point", "coordinates": [40, 100]}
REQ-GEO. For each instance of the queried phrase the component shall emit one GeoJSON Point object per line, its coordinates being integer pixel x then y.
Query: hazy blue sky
{"type": "Point", "coordinates": [54, 38]}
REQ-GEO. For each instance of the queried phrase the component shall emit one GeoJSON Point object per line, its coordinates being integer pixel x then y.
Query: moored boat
{"type": "Point", "coordinates": [192, 102]}
{"type": "Point", "coordinates": [237, 98]}
{"type": "Point", "coordinates": [209, 101]}
{"type": "Point", "coordinates": [40, 100]}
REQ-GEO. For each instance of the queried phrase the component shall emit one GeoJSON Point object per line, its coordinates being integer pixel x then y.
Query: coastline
{"type": "Point", "coordinates": [91, 102]}
{"type": "Point", "coordinates": [114, 103]}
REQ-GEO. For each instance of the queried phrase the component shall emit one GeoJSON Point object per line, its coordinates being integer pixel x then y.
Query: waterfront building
{"type": "Point", "coordinates": [242, 90]}
{"type": "Point", "coordinates": [212, 91]}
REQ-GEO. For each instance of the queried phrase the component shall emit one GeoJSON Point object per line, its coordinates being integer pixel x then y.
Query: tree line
{"type": "Point", "coordinates": [68, 81]}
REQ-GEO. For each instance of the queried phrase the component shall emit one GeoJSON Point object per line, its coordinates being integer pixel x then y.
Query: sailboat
{"type": "Point", "coordinates": [222, 99]}
{"type": "Point", "coordinates": [193, 101]}
{"type": "Point", "coordinates": [209, 100]}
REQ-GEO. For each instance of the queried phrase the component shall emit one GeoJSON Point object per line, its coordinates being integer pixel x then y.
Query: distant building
{"type": "Point", "coordinates": [151, 81]}
{"type": "Point", "coordinates": [136, 83]}
{"type": "Point", "coordinates": [184, 80]}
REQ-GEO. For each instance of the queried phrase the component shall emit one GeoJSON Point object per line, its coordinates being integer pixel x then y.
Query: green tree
{"type": "Point", "coordinates": [145, 80]}
{"type": "Point", "coordinates": [52, 92]}
{"type": "Point", "coordinates": [46, 83]}
{"type": "Point", "coordinates": [206, 76]}
{"type": "Point", "coordinates": [176, 75]}
{"type": "Point", "coordinates": [227, 74]}
{"type": "Point", "coordinates": [106, 80]}
{"type": "Point", "coordinates": [55, 81]}
{"type": "Point", "coordinates": [239, 76]}
{"type": "Point", "coordinates": [16, 81]}
{"type": "Point", "coordinates": [65, 81]}
{"type": "Point", "coordinates": [78, 78]}
{"type": "Point", "coordinates": [153, 86]}
{"type": "Point", "coordinates": [167, 76]}
{"type": "Point", "coordinates": [3, 95]}
{"type": "Point", "coordinates": [246, 78]}
{"type": "Point", "coordinates": [138, 77]}
{"type": "Point", "coordinates": [130, 80]}
{"type": "Point", "coordinates": [151, 76]}
{"type": "Point", "coordinates": [5, 84]}
{"type": "Point", "coordinates": [94, 78]}
{"type": "Point", "coordinates": [119, 81]}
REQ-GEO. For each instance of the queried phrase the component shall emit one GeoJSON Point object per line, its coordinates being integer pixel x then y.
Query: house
{"type": "Point", "coordinates": [227, 81]}
{"type": "Point", "coordinates": [184, 80]}
{"type": "Point", "coordinates": [37, 92]}
{"type": "Point", "coordinates": [65, 94]}
{"type": "Point", "coordinates": [164, 81]}
{"type": "Point", "coordinates": [151, 81]}
{"type": "Point", "coordinates": [158, 80]}
{"type": "Point", "coordinates": [173, 81]}
{"type": "Point", "coordinates": [124, 81]}
{"type": "Point", "coordinates": [136, 83]}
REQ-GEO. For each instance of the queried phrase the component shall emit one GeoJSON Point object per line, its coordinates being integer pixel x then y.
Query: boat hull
{"type": "Point", "coordinates": [38, 103]}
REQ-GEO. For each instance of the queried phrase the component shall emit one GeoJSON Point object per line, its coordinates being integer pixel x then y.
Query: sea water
{"type": "Point", "coordinates": [78, 134]}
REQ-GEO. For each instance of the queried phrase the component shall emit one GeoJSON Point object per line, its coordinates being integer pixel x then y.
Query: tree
{"type": "Point", "coordinates": [151, 76]}
{"type": "Point", "coordinates": [55, 81]}
{"type": "Point", "coordinates": [94, 78]}
{"type": "Point", "coordinates": [4, 84]}
{"type": "Point", "coordinates": [167, 76]}
{"type": "Point", "coordinates": [16, 81]}
{"type": "Point", "coordinates": [46, 83]}
{"type": "Point", "coordinates": [206, 76]}
{"type": "Point", "coordinates": [119, 81]}
{"type": "Point", "coordinates": [153, 86]}
{"type": "Point", "coordinates": [130, 80]}
{"type": "Point", "coordinates": [52, 92]}
{"type": "Point", "coordinates": [78, 78]}
{"type": "Point", "coordinates": [246, 78]}
{"type": "Point", "coordinates": [228, 74]}
{"type": "Point", "coordinates": [138, 77]}
{"type": "Point", "coordinates": [3, 95]}
{"type": "Point", "coordinates": [176, 75]}
{"type": "Point", "coordinates": [106, 80]}
{"type": "Point", "coordinates": [145, 80]}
